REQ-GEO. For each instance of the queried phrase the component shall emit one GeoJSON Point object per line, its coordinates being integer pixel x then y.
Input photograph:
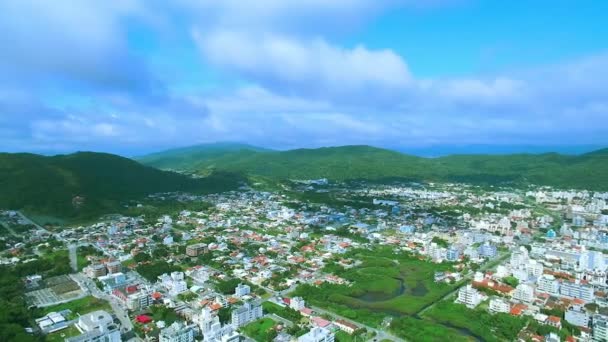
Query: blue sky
{"type": "Point", "coordinates": [136, 76]}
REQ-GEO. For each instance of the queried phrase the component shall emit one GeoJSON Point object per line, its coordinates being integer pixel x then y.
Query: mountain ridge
{"type": "Point", "coordinates": [368, 162]}
{"type": "Point", "coordinates": [86, 183]}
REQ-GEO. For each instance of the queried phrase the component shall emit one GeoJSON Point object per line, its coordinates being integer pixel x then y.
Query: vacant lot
{"type": "Point", "coordinates": [80, 306]}
{"type": "Point", "coordinates": [261, 330]}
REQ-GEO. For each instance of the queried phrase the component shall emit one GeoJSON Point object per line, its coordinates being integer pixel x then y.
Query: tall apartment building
{"type": "Point", "coordinates": [139, 300]}
{"type": "Point", "coordinates": [469, 296]}
{"type": "Point", "coordinates": [177, 332]}
{"type": "Point", "coordinates": [575, 290]}
{"type": "Point", "coordinates": [524, 293]}
{"type": "Point", "coordinates": [114, 266]}
{"type": "Point", "coordinates": [547, 283]}
{"type": "Point", "coordinates": [248, 312]}
{"type": "Point", "coordinates": [600, 328]}
{"type": "Point", "coordinates": [196, 249]}
{"type": "Point", "coordinates": [241, 290]}
{"type": "Point", "coordinates": [577, 315]}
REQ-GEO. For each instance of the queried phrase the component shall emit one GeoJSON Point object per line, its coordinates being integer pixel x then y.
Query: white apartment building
{"type": "Point", "coordinates": [177, 332]}
{"type": "Point", "coordinates": [241, 290]}
{"type": "Point", "coordinates": [174, 283]}
{"type": "Point", "coordinates": [600, 328]}
{"type": "Point", "coordinates": [469, 296]}
{"type": "Point", "coordinates": [547, 283]}
{"type": "Point", "coordinates": [499, 305]}
{"type": "Point", "coordinates": [578, 316]}
{"type": "Point", "coordinates": [249, 312]}
{"type": "Point", "coordinates": [575, 290]}
{"type": "Point", "coordinates": [534, 269]}
{"type": "Point", "coordinates": [297, 303]}
{"type": "Point", "coordinates": [317, 334]}
{"type": "Point", "coordinates": [139, 300]}
{"type": "Point", "coordinates": [96, 326]}
{"type": "Point", "coordinates": [524, 293]}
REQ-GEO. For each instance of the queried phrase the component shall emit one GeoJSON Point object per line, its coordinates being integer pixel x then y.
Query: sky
{"type": "Point", "coordinates": [135, 76]}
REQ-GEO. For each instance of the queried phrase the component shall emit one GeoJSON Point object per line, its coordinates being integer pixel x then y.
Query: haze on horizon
{"type": "Point", "coordinates": [133, 77]}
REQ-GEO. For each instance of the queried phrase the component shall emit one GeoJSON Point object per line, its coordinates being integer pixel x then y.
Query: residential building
{"type": "Point", "coordinates": [547, 283]}
{"type": "Point", "coordinates": [139, 300]}
{"type": "Point", "coordinates": [242, 290]}
{"type": "Point", "coordinates": [499, 305]}
{"type": "Point", "coordinates": [95, 270]}
{"type": "Point", "coordinates": [114, 266]}
{"type": "Point", "coordinates": [577, 315]}
{"type": "Point", "coordinates": [248, 312]}
{"type": "Point", "coordinates": [174, 283]}
{"type": "Point", "coordinates": [576, 290]}
{"type": "Point", "coordinates": [317, 334]}
{"type": "Point", "coordinates": [534, 269]}
{"type": "Point", "coordinates": [96, 326]}
{"type": "Point", "coordinates": [196, 249]}
{"type": "Point", "coordinates": [469, 296]}
{"type": "Point", "coordinates": [297, 303]}
{"type": "Point", "coordinates": [600, 328]}
{"type": "Point", "coordinates": [487, 250]}
{"type": "Point", "coordinates": [524, 293]}
{"type": "Point", "coordinates": [346, 326]}
{"type": "Point", "coordinates": [177, 332]}
{"type": "Point", "coordinates": [452, 254]}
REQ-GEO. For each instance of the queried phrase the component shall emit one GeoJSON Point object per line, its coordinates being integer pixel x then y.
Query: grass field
{"type": "Point", "coordinates": [80, 306]}
{"type": "Point", "coordinates": [61, 335]}
{"type": "Point", "coordinates": [260, 330]}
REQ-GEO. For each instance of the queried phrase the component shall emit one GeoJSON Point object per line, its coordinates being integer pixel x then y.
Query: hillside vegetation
{"type": "Point", "coordinates": [189, 158]}
{"type": "Point", "coordinates": [86, 183]}
{"type": "Point", "coordinates": [588, 171]}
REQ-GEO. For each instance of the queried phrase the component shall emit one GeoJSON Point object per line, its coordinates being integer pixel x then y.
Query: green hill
{"type": "Point", "coordinates": [588, 171]}
{"type": "Point", "coordinates": [51, 185]}
{"type": "Point", "coordinates": [189, 158]}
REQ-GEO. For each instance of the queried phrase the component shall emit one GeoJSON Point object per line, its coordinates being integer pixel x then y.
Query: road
{"type": "Point", "coordinates": [117, 307]}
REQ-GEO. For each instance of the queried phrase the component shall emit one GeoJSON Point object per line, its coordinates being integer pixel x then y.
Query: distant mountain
{"type": "Point", "coordinates": [365, 162]}
{"type": "Point", "coordinates": [189, 158]}
{"type": "Point", "coordinates": [87, 183]}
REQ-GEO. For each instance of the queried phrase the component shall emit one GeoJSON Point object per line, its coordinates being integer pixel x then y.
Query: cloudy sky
{"type": "Point", "coordinates": [135, 76]}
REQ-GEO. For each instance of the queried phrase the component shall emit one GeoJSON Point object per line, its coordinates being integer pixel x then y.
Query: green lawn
{"type": "Point", "coordinates": [61, 335]}
{"type": "Point", "coordinates": [284, 312]}
{"type": "Point", "coordinates": [261, 330]}
{"type": "Point", "coordinates": [414, 329]}
{"type": "Point", "coordinates": [80, 306]}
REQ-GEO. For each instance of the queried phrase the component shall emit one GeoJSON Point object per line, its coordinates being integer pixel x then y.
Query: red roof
{"type": "Point", "coordinates": [517, 309]}
{"type": "Point", "coordinates": [156, 295]}
{"type": "Point", "coordinates": [320, 322]}
{"type": "Point", "coordinates": [143, 319]}
{"type": "Point", "coordinates": [306, 311]}
{"type": "Point", "coordinates": [554, 319]}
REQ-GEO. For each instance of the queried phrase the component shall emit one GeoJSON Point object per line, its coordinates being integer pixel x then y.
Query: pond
{"type": "Point", "coordinates": [372, 297]}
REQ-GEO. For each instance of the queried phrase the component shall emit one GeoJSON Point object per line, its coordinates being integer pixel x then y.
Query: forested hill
{"type": "Point", "coordinates": [588, 171]}
{"type": "Point", "coordinates": [87, 183]}
{"type": "Point", "coordinates": [189, 158]}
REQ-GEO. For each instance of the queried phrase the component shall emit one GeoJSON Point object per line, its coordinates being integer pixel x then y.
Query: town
{"type": "Point", "coordinates": [321, 261]}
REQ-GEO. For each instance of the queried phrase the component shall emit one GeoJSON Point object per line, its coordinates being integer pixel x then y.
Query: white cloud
{"type": "Point", "coordinates": [312, 66]}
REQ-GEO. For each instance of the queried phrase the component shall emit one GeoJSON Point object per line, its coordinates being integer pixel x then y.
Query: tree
{"type": "Point", "coordinates": [511, 281]}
